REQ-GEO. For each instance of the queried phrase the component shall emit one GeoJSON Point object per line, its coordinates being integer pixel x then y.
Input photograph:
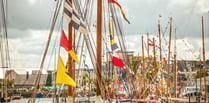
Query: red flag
{"type": "Point", "coordinates": [150, 44]}
{"type": "Point", "coordinates": [118, 81]}
{"type": "Point", "coordinates": [65, 44]}
{"type": "Point", "coordinates": [118, 62]}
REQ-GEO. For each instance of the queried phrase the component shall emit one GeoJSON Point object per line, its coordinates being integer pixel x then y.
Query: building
{"type": "Point", "coordinates": [28, 80]}
{"type": "Point", "coordinates": [126, 57]}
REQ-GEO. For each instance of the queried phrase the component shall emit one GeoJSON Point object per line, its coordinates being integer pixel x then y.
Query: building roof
{"type": "Point", "coordinates": [21, 79]}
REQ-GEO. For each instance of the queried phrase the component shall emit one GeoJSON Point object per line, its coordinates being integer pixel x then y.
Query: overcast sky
{"type": "Point", "coordinates": [29, 23]}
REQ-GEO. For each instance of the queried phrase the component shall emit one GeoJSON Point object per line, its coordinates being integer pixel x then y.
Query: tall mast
{"type": "Point", "coordinates": [143, 68]}
{"type": "Point", "coordinates": [99, 43]}
{"type": "Point", "coordinates": [200, 73]}
{"type": "Point", "coordinates": [203, 51]}
{"type": "Point", "coordinates": [169, 56]}
{"type": "Point", "coordinates": [174, 71]}
{"type": "Point", "coordinates": [160, 40]}
{"type": "Point", "coordinates": [148, 61]}
{"type": "Point", "coordinates": [155, 73]}
{"type": "Point", "coordinates": [70, 62]}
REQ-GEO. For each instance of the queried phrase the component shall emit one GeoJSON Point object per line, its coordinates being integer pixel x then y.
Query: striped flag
{"type": "Point", "coordinates": [65, 44]}
{"type": "Point", "coordinates": [74, 18]}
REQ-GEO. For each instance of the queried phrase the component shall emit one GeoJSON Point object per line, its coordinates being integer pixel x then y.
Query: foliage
{"type": "Point", "coordinates": [10, 83]}
{"type": "Point", "coordinates": [200, 74]}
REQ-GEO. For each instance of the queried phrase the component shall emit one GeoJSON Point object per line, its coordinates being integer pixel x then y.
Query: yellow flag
{"type": "Point", "coordinates": [62, 75]}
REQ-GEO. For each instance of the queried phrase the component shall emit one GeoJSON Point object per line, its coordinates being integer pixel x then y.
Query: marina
{"type": "Point", "coordinates": [104, 51]}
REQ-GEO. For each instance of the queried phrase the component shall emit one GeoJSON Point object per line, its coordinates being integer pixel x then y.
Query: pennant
{"type": "Point", "coordinates": [118, 62]}
{"type": "Point", "coordinates": [63, 76]}
{"type": "Point", "coordinates": [74, 18]}
{"type": "Point", "coordinates": [65, 44]}
{"type": "Point", "coordinates": [121, 9]}
{"type": "Point", "coordinates": [114, 46]}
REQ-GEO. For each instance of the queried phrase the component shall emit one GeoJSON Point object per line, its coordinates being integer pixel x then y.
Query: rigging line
{"type": "Point", "coordinates": [81, 56]}
{"type": "Point", "coordinates": [85, 16]}
{"type": "Point", "coordinates": [1, 48]}
{"type": "Point", "coordinates": [32, 100]}
{"type": "Point", "coordinates": [99, 80]}
{"type": "Point", "coordinates": [104, 41]}
{"type": "Point", "coordinates": [121, 39]}
{"type": "Point", "coordinates": [121, 36]}
{"type": "Point", "coordinates": [89, 45]}
{"type": "Point", "coordinates": [86, 21]}
{"type": "Point", "coordinates": [55, 42]}
{"type": "Point", "coordinates": [117, 27]}
{"type": "Point", "coordinates": [6, 36]}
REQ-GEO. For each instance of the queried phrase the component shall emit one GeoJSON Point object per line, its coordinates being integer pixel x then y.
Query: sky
{"type": "Point", "coordinates": [29, 23]}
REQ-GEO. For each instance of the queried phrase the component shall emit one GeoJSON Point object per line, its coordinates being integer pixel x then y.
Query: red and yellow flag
{"type": "Point", "coordinates": [65, 44]}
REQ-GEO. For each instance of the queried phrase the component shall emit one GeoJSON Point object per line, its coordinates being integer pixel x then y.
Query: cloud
{"type": "Point", "coordinates": [23, 16]}
{"type": "Point", "coordinates": [144, 16]}
{"type": "Point", "coordinates": [30, 20]}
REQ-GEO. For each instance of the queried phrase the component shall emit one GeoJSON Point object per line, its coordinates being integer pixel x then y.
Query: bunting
{"type": "Point", "coordinates": [65, 44]}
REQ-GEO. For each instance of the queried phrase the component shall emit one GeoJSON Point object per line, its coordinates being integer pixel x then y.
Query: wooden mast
{"type": "Point", "coordinates": [203, 51]}
{"type": "Point", "coordinates": [169, 57]}
{"type": "Point", "coordinates": [160, 40]}
{"type": "Point", "coordinates": [200, 73]}
{"type": "Point", "coordinates": [148, 69]}
{"type": "Point", "coordinates": [143, 69]}
{"type": "Point", "coordinates": [174, 71]}
{"type": "Point", "coordinates": [148, 61]}
{"type": "Point", "coordinates": [70, 62]}
{"type": "Point", "coordinates": [99, 43]}
{"type": "Point", "coordinates": [155, 73]}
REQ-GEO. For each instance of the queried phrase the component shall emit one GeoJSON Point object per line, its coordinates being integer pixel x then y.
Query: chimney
{"type": "Point", "coordinates": [27, 75]}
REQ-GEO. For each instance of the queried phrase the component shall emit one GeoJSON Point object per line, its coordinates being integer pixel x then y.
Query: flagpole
{"type": "Point", "coordinates": [143, 68]}
{"type": "Point", "coordinates": [203, 51]}
{"type": "Point", "coordinates": [155, 68]}
{"type": "Point", "coordinates": [160, 40]}
{"type": "Point", "coordinates": [174, 71]}
{"type": "Point", "coordinates": [148, 62]}
{"type": "Point", "coordinates": [169, 56]}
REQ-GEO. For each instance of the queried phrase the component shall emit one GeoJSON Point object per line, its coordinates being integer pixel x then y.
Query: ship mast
{"type": "Point", "coordinates": [143, 69]}
{"type": "Point", "coordinates": [70, 62]}
{"type": "Point", "coordinates": [203, 51]}
{"type": "Point", "coordinates": [99, 44]}
{"type": "Point", "coordinates": [169, 56]}
{"type": "Point", "coordinates": [174, 71]}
